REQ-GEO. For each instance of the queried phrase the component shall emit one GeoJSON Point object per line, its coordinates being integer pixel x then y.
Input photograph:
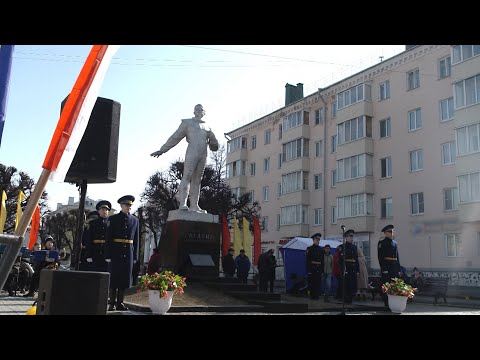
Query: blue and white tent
{"type": "Point", "coordinates": [293, 254]}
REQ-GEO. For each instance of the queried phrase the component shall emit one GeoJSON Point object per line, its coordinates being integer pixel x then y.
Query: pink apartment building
{"type": "Point", "coordinates": [397, 143]}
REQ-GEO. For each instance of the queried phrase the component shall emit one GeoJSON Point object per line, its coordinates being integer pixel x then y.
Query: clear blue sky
{"type": "Point", "coordinates": [157, 86]}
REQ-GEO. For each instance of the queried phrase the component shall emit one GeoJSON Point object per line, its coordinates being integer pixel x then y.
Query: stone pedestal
{"type": "Point", "coordinates": [190, 244]}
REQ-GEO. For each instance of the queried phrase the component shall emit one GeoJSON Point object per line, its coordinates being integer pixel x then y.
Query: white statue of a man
{"type": "Point", "coordinates": [198, 137]}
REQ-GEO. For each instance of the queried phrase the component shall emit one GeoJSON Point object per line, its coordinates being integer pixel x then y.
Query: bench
{"type": "Point", "coordinates": [436, 287]}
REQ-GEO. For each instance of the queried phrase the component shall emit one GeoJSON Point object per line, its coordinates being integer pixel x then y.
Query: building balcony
{"type": "Point", "coordinates": [467, 115]}
{"type": "Point", "coordinates": [356, 147]}
{"type": "Point", "coordinates": [302, 131]}
{"type": "Point", "coordinates": [299, 164]}
{"type": "Point", "coordinates": [241, 154]}
{"type": "Point", "coordinates": [238, 182]}
{"type": "Point", "coordinates": [294, 230]}
{"type": "Point", "coordinates": [465, 69]}
{"type": "Point", "coordinates": [466, 164]}
{"type": "Point", "coordinates": [360, 185]}
{"type": "Point", "coordinates": [359, 223]}
{"type": "Point", "coordinates": [364, 107]}
{"type": "Point", "coordinates": [295, 198]}
{"type": "Point", "coordinates": [469, 212]}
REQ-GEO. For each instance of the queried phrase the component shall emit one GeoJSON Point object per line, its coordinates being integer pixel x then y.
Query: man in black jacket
{"type": "Point", "coordinates": [228, 264]}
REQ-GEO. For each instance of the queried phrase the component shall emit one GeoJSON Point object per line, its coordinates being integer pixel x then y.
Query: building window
{"type": "Point", "coordinates": [319, 148]}
{"type": "Point", "coordinates": [236, 168]}
{"type": "Point", "coordinates": [413, 79]}
{"type": "Point", "coordinates": [266, 165]}
{"type": "Point", "coordinates": [468, 139]}
{"type": "Point", "coordinates": [448, 153]}
{"type": "Point", "coordinates": [467, 92]}
{"type": "Point", "coordinates": [354, 205]}
{"type": "Point", "coordinates": [414, 119]}
{"type": "Point", "coordinates": [317, 217]}
{"type": "Point", "coordinates": [319, 116]}
{"type": "Point", "coordinates": [354, 129]}
{"type": "Point", "coordinates": [295, 181]}
{"type": "Point", "coordinates": [295, 119]}
{"type": "Point", "coordinates": [254, 142]}
{"type": "Point", "coordinates": [280, 131]}
{"type": "Point", "coordinates": [295, 149]}
{"type": "Point", "coordinates": [251, 196]}
{"type": "Point", "coordinates": [318, 181]}
{"type": "Point", "coordinates": [264, 223]}
{"type": "Point", "coordinates": [267, 136]}
{"type": "Point", "coordinates": [252, 169]}
{"type": "Point", "coordinates": [464, 52]}
{"type": "Point", "coordinates": [416, 160]}
{"type": "Point", "coordinates": [469, 187]}
{"type": "Point", "coordinates": [450, 199]}
{"type": "Point", "coordinates": [334, 214]}
{"type": "Point", "coordinates": [416, 202]}
{"type": "Point", "coordinates": [446, 109]}
{"type": "Point", "coordinates": [236, 192]}
{"type": "Point", "coordinates": [386, 167]}
{"type": "Point", "coordinates": [355, 166]}
{"type": "Point", "coordinates": [295, 214]}
{"type": "Point", "coordinates": [334, 143]}
{"type": "Point", "coordinates": [386, 206]}
{"type": "Point", "coordinates": [334, 110]}
{"type": "Point", "coordinates": [384, 90]}
{"type": "Point", "coordinates": [279, 189]}
{"type": "Point", "coordinates": [279, 161]}
{"type": "Point", "coordinates": [334, 178]}
{"type": "Point", "coordinates": [265, 193]}
{"type": "Point", "coordinates": [385, 128]}
{"type": "Point", "coordinates": [453, 245]}
{"type": "Point", "coordinates": [353, 95]}
{"type": "Point", "coordinates": [444, 67]}
{"type": "Point", "coordinates": [236, 144]}
{"type": "Point", "coordinates": [278, 222]}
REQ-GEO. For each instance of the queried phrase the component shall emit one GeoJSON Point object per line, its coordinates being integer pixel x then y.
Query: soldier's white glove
{"type": "Point", "coordinates": [89, 260]}
{"type": "Point", "coordinates": [134, 261]}
{"type": "Point", "coordinates": [385, 272]}
{"type": "Point", "coordinates": [108, 260]}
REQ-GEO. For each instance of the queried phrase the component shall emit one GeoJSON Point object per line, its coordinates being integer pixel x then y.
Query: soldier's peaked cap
{"type": "Point", "coordinates": [103, 203]}
{"type": "Point", "coordinates": [387, 228]}
{"type": "Point", "coordinates": [315, 235]}
{"type": "Point", "coordinates": [127, 199]}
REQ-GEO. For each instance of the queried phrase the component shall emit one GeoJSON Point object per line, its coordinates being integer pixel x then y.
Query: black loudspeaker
{"type": "Point", "coordinates": [96, 156]}
{"type": "Point", "coordinates": [73, 293]}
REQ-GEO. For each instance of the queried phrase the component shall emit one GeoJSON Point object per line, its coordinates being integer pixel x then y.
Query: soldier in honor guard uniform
{"type": "Point", "coordinates": [351, 266]}
{"type": "Point", "coordinates": [314, 257]}
{"type": "Point", "coordinates": [388, 258]}
{"type": "Point", "coordinates": [122, 249]}
{"type": "Point", "coordinates": [95, 238]}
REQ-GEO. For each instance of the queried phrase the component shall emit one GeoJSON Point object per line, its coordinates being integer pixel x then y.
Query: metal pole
{"type": "Point", "coordinates": [80, 220]}
{"type": "Point", "coordinates": [343, 271]}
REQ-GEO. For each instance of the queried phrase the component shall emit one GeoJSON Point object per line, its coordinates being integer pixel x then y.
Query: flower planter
{"type": "Point", "coordinates": [397, 304]}
{"type": "Point", "coordinates": [158, 305]}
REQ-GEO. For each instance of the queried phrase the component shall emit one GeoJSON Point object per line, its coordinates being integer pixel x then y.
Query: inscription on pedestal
{"type": "Point", "coordinates": [181, 239]}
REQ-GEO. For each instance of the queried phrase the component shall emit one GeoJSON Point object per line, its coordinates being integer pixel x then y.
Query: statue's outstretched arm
{"type": "Point", "coordinates": [173, 140]}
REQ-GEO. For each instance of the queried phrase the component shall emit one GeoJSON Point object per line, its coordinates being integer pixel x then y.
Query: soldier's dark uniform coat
{"type": "Point", "coordinates": [388, 250]}
{"type": "Point", "coordinates": [314, 271]}
{"type": "Point", "coordinates": [351, 269]}
{"type": "Point", "coordinates": [126, 227]}
{"type": "Point", "coordinates": [95, 249]}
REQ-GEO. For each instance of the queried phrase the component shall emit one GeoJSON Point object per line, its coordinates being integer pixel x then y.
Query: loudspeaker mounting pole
{"type": "Point", "coordinates": [77, 248]}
